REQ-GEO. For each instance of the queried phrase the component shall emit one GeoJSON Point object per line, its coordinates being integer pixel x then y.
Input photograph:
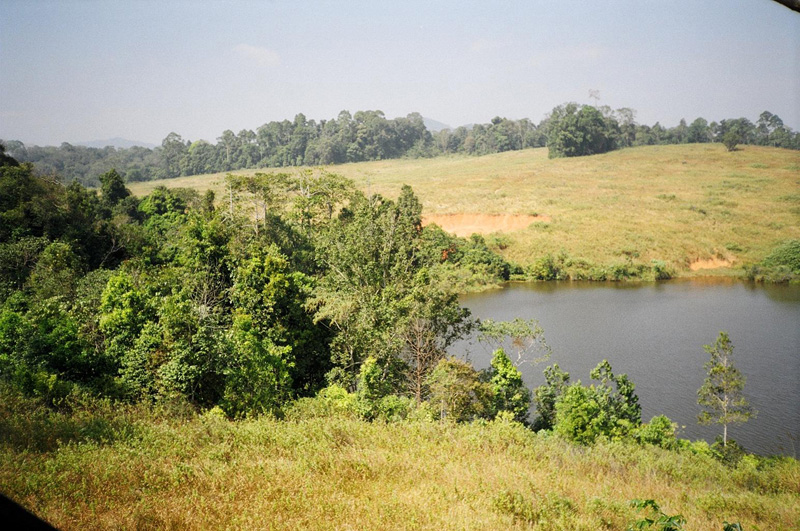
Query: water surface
{"type": "Point", "coordinates": [655, 333]}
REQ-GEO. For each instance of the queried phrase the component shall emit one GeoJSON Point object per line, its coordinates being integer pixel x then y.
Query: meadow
{"type": "Point", "coordinates": [167, 467]}
{"type": "Point", "coordinates": [696, 207]}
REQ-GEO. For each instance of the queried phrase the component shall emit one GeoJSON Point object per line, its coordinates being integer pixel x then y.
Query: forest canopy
{"type": "Point", "coordinates": [569, 130]}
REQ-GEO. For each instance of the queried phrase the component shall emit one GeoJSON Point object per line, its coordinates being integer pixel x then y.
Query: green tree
{"type": "Point", "coordinates": [577, 130]}
{"type": "Point", "coordinates": [721, 393]}
{"type": "Point", "coordinates": [113, 188]}
{"type": "Point", "coordinates": [269, 300]}
{"type": "Point", "coordinates": [433, 320]}
{"type": "Point", "coordinates": [698, 131]}
{"type": "Point", "coordinates": [547, 395]}
{"type": "Point", "coordinates": [584, 413]}
{"type": "Point", "coordinates": [508, 389]}
{"type": "Point", "coordinates": [730, 139]}
{"type": "Point", "coordinates": [457, 392]}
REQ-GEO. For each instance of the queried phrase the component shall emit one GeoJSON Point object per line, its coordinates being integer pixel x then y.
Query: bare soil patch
{"type": "Point", "coordinates": [466, 224]}
{"type": "Point", "coordinates": [711, 263]}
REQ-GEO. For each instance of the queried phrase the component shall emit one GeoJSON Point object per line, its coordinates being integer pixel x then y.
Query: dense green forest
{"type": "Point", "coordinates": [569, 130]}
{"type": "Point", "coordinates": [288, 288]}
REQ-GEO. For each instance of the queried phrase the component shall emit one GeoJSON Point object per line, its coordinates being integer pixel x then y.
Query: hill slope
{"type": "Point", "coordinates": [694, 206]}
{"type": "Point", "coordinates": [131, 469]}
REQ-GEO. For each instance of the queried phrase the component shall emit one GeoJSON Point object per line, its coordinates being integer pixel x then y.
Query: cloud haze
{"type": "Point", "coordinates": [260, 56]}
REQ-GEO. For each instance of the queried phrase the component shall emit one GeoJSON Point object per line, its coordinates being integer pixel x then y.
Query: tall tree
{"type": "Point", "coordinates": [577, 130]}
{"type": "Point", "coordinates": [113, 188]}
{"type": "Point", "coordinates": [721, 393]}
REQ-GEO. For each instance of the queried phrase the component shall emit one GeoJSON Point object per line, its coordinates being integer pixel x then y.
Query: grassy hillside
{"type": "Point", "coordinates": [130, 467]}
{"type": "Point", "coordinates": [689, 205]}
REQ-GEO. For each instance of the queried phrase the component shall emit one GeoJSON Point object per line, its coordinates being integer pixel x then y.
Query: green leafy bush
{"type": "Point", "coordinates": [508, 389]}
{"type": "Point", "coordinates": [656, 519]}
{"type": "Point", "coordinates": [585, 413]}
{"type": "Point", "coordinates": [547, 395]}
{"type": "Point", "coordinates": [786, 254]}
{"type": "Point", "coordinates": [457, 392]}
{"type": "Point", "coordinates": [660, 431]}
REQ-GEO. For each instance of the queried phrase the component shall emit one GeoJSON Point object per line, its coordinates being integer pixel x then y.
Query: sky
{"type": "Point", "coordinates": [73, 71]}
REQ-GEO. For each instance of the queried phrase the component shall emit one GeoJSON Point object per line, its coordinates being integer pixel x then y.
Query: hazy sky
{"type": "Point", "coordinates": [82, 70]}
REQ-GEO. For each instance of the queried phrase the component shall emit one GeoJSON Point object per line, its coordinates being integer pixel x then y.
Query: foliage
{"type": "Point", "coordinates": [730, 139]}
{"type": "Point", "coordinates": [112, 188]}
{"type": "Point", "coordinates": [257, 377]}
{"type": "Point", "coordinates": [585, 413]}
{"type": "Point", "coordinates": [721, 393]}
{"type": "Point", "coordinates": [658, 519]}
{"type": "Point", "coordinates": [728, 452]}
{"type": "Point", "coordinates": [380, 293]}
{"type": "Point", "coordinates": [457, 391]}
{"type": "Point", "coordinates": [660, 431]}
{"type": "Point", "coordinates": [509, 393]}
{"type": "Point", "coordinates": [787, 254]}
{"type": "Point", "coordinates": [575, 131]}
{"type": "Point", "coordinates": [546, 396]}
{"type": "Point", "coordinates": [526, 337]}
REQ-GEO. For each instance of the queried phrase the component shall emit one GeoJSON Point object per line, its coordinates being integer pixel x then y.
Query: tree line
{"type": "Point", "coordinates": [569, 130]}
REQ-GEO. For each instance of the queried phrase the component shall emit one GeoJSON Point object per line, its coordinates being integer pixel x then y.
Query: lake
{"type": "Point", "coordinates": [655, 333]}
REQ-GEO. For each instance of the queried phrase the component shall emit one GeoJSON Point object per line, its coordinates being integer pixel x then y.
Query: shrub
{"type": "Point", "coordinates": [585, 413]}
{"type": "Point", "coordinates": [547, 395]}
{"type": "Point", "coordinates": [579, 416]}
{"type": "Point", "coordinates": [657, 519]}
{"type": "Point", "coordinates": [457, 391]}
{"type": "Point", "coordinates": [660, 270]}
{"type": "Point", "coordinates": [786, 254]}
{"type": "Point", "coordinates": [331, 401]}
{"type": "Point", "coordinates": [729, 452]}
{"type": "Point", "coordinates": [508, 389]}
{"type": "Point", "coordinates": [548, 268]}
{"type": "Point", "coordinates": [660, 431]}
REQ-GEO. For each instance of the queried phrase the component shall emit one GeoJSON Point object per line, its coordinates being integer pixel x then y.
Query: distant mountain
{"type": "Point", "coordinates": [433, 126]}
{"type": "Point", "coordinates": [117, 142]}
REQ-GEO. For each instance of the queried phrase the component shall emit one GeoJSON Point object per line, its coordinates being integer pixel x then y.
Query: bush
{"type": "Point", "coordinates": [787, 255]}
{"type": "Point", "coordinates": [660, 431]}
{"type": "Point", "coordinates": [730, 453]}
{"type": "Point", "coordinates": [547, 395]}
{"type": "Point", "coordinates": [457, 392]}
{"type": "Point", "coordinates": [549, 268]}
{"type": "Point", "coordinates": [509, 391]}
{"type": "Point", "coordinates": [579, 416]}
{"type": "Point", "coordinates": [585, 413]}
{"type": "Point", "coordinates": [331, 401]}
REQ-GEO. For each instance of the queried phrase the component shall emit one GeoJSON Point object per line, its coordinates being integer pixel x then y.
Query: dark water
{"type": "Point", "coordinates": [655, 333]}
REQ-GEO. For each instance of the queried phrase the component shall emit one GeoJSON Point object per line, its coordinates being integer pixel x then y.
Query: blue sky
{"type": "Point", "coordinates": [82, 70]}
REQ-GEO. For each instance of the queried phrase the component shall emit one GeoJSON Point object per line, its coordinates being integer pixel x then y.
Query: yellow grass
{"type": "Point", "coordinates": [204, 472]}
{"type": "Point", "coordinates": [679, 204]}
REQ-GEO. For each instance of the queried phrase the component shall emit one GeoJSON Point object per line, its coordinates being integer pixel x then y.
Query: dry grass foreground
{"type": "Point", "coordinates": [683, 204]}
{"type": "Point", "coordinates": [204, 472]}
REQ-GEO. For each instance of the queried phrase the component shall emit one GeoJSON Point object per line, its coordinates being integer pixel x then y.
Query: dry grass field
{"type": "Point", "coordinates": [130, 468]}
{"type": "Point", "coordinates": [697, 207]}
